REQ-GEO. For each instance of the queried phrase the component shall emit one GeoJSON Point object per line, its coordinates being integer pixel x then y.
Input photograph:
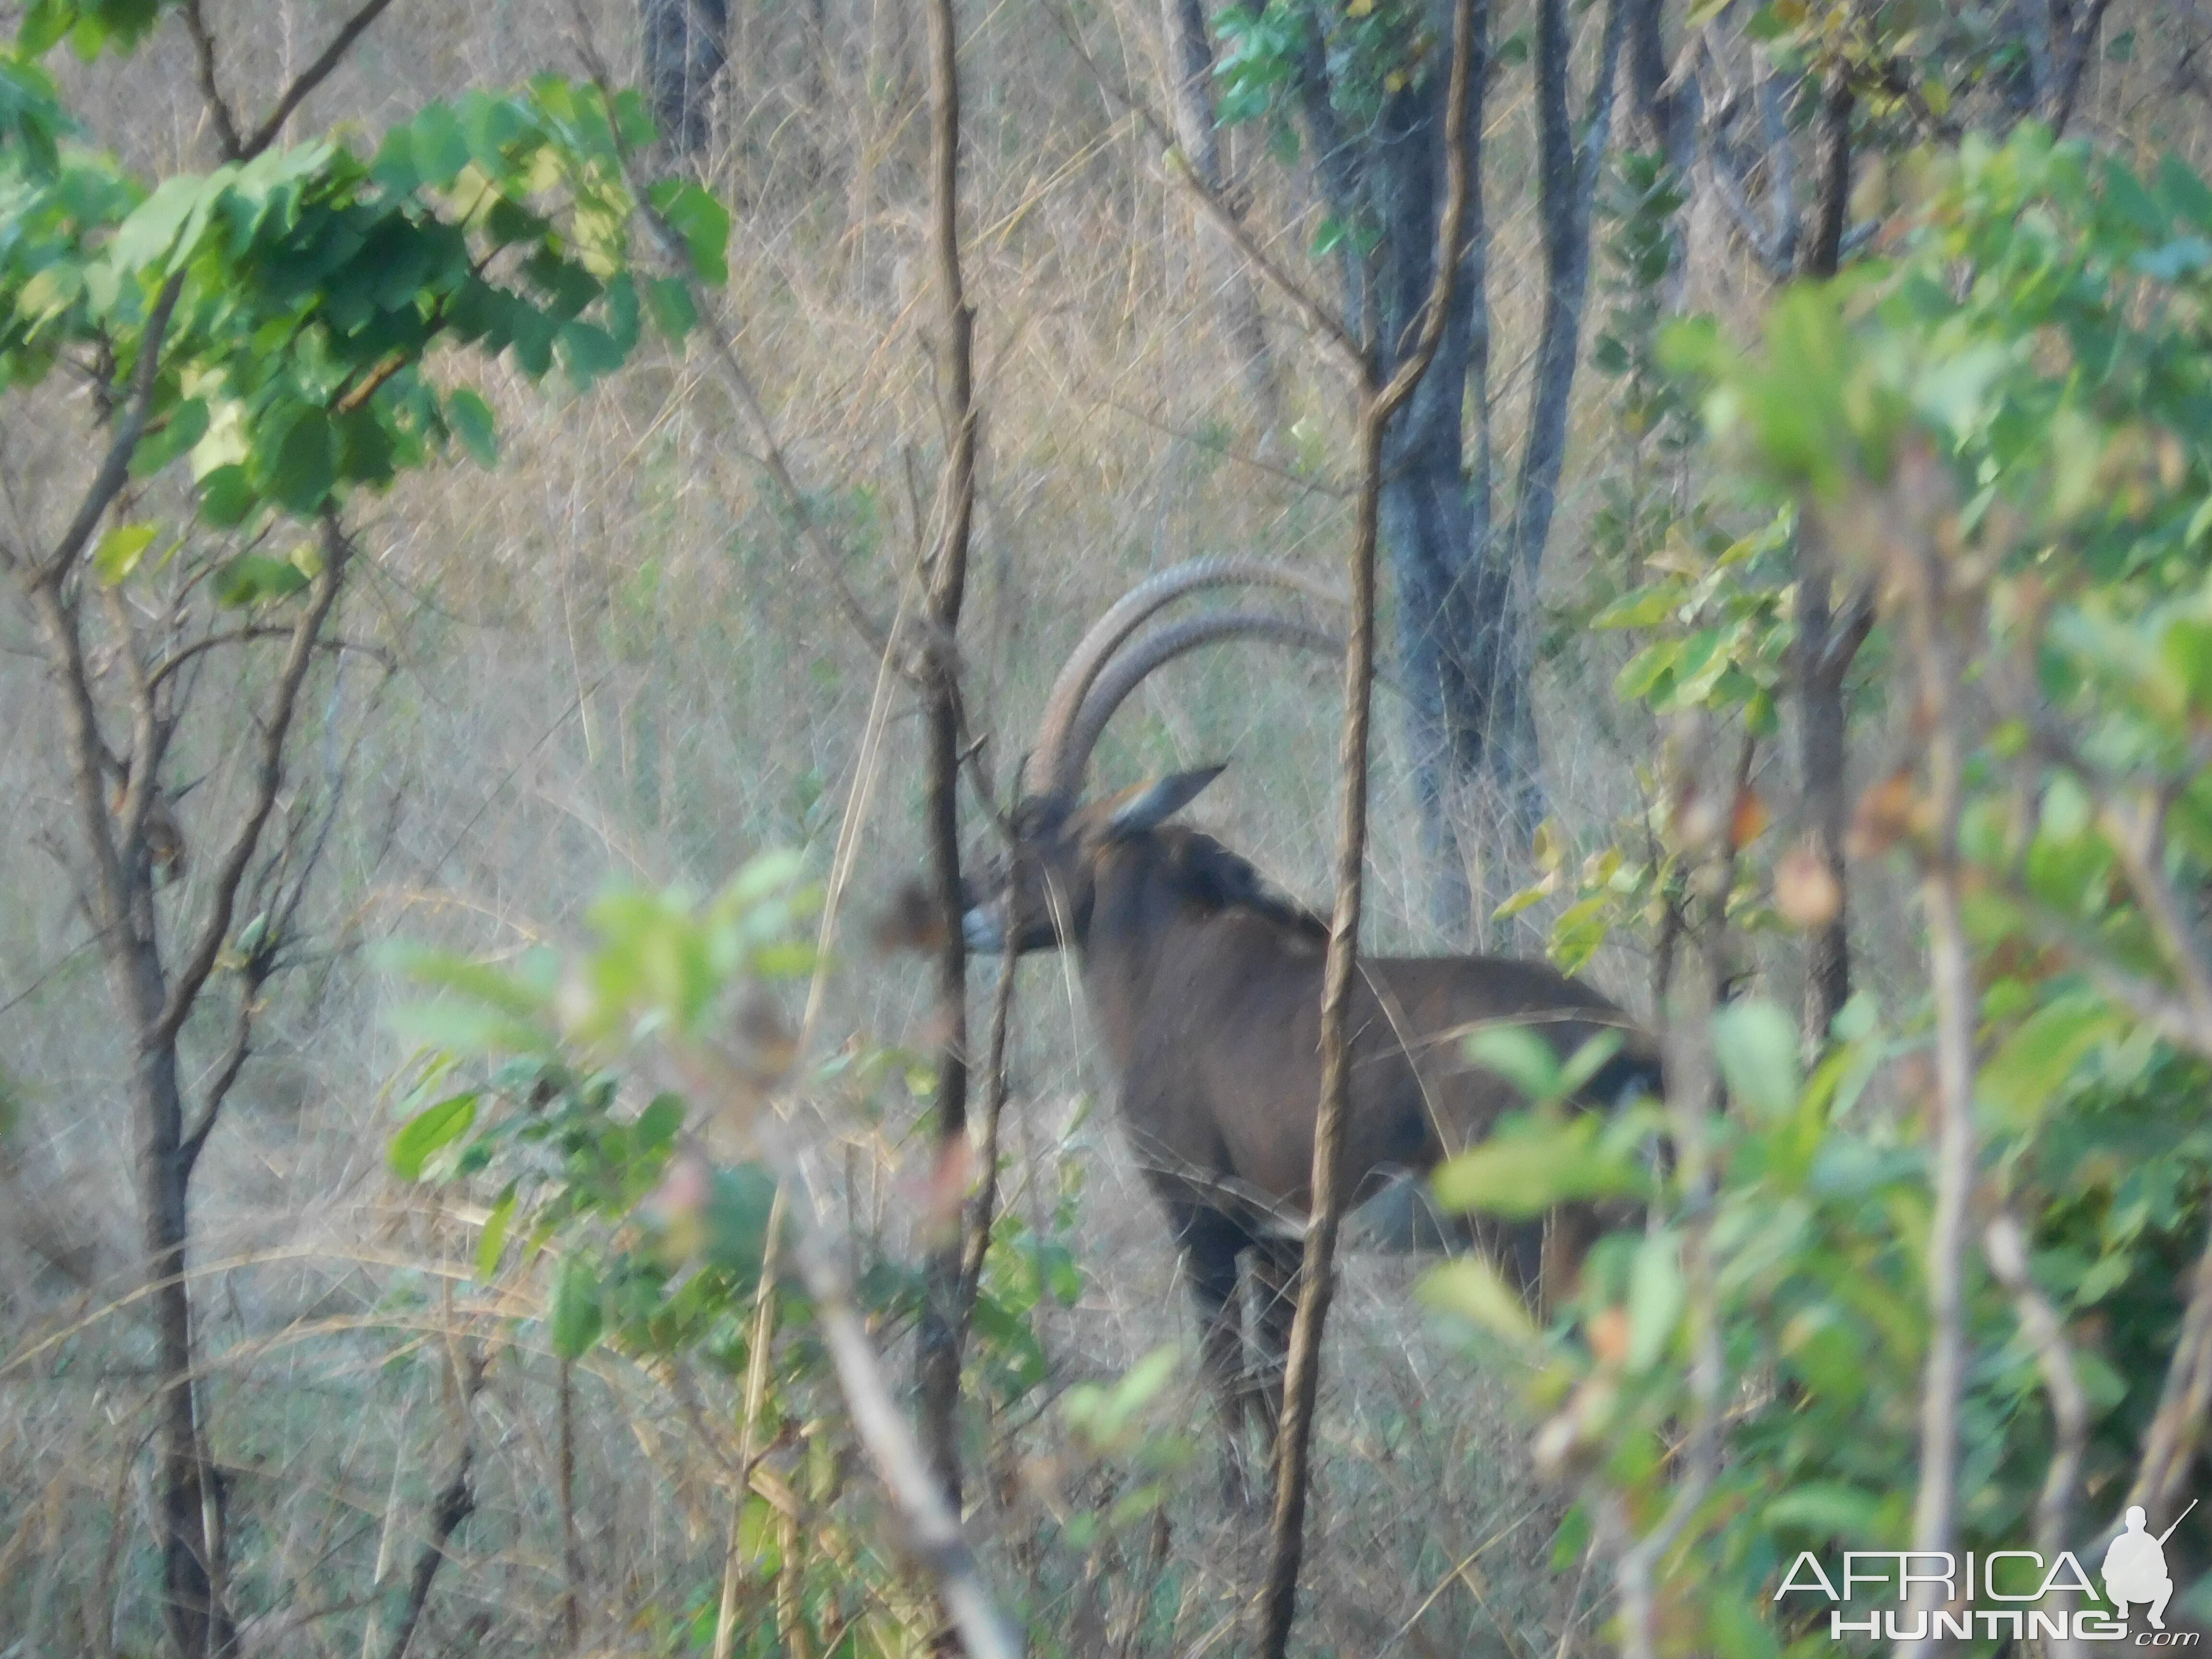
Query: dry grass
{"type": "Point", "coordinates": [615, 663]}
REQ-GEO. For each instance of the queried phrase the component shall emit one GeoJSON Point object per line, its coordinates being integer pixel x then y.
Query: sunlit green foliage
{"type": "Point", "coordinates": [644, 1215]}
{"type": "Point", "coordinates": [2027, 369]}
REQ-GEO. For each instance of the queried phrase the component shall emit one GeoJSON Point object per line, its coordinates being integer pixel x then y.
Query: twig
{"type": "Point", "coordinates": [933, 1536]}
{"type": "Point", "coordinates": [572, 1553]}
{"type": "Point", "coordinates": [978, 1244]}
{"type": "Point", "coordinates": [1916, 562]}
{"type": "Point", "coordinates": [2004, 1243]}
{"type": "Point", "coordinates": [184, 654]}
{"type": "Point", "coordinates": [311, 77]}
{"type": "Point", "coordinates": [268, 780]}
{"type": "Point", "coordinates": [939, 1341]}
{"type": "Point", "coordinates": [2170, 1444]}
{"type": "Point", "coordinates": [218, 107]}
{"type": "Point", "coordinates": [456, 1502]}
{"type": "Point", "coordinates": [1323, 321]}
{"type": "Point", "coordinates": [763, 1332]}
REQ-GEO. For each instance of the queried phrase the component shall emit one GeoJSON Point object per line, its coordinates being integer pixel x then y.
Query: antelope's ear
{"type": "Point", "coordinates": [1150, 805]}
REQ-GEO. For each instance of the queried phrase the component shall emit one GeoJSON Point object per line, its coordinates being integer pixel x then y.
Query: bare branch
{"type": "Point", "coordinates": [994, 1106]}
{"type": "Point", "coordinates": [236, 1053]}
{"type": "Point", "coordinates": [311, 77]}
{"type": "Point", "coordinates": [937, 1343]}
{"type": "Point", "coordinates": [184, 654]}
{"type": "Point", "coordinates": [933, 1536]}
{"type": "Point", "coordinates": [2005, 1244]}
{"type": "Point", "coordinates": [88, 748]}
{"type": "Point", "coordinates": [2170, 1444]}
{"type": "Point", "coordinates": [1301, 1377]}
{"type": "Point", "coordinates": [218, 106]}
{"type": "Point", "coordinates": [1319, 318]}
{"type": "Point", "coordinates": [268, 778]}
{"type": "Point", "coordinates": [457, 1501]}
{"type": "Point", "coordinates": [2079, 39]}
{"type": "Point", "coordinates": [1917, 566]}
{"type": "Point", "coordinates": [115, 466]}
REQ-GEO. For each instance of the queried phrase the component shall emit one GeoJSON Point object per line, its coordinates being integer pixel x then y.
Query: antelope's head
{"type": "Point", "coordinates": [1039, 894]}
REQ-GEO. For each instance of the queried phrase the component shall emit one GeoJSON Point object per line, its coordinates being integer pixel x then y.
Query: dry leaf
{"type": "Point", "coordinates": [1884, 814]}
{"type": "Point", "coordinates": [1609, 1335]}
{"type": "Point", "coordinates": [1749, 820]}
{"type": "Point", "coordinates": [1806, 890]}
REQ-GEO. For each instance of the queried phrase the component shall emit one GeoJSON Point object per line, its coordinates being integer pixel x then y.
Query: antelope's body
{"type": "Point", "coordinates": [1206, 995]}
{"type": "Point", "coordinates": [1205, 987]}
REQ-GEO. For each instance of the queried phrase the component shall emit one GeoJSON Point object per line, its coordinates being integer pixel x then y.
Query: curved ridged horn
{"type": "Point", "coordinates": [1128, 670]}
{"type": "Point", "coordinates": [1048, 773]}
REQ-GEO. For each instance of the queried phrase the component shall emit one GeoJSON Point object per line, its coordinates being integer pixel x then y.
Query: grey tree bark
{"type": "Point", "coordinates": [1190, 81]}
{"type": "Point", "coordinates": [1464, 582]}
{"type": "Point", "coordinates": [686, 46]}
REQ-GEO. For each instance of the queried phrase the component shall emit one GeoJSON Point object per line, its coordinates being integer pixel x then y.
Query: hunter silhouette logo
{"type": "Point", "coordinates": [2135, 1567]}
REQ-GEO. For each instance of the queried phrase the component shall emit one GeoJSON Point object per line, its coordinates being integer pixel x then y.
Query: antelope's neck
{"type": "Point", "coordinates": [1135, 911]}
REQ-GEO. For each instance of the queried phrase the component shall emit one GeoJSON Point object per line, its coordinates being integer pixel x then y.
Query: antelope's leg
{"type": "Point", "coordinates": [1276, 1264]}
{"type": "Point", "coordinates": [1210, 1242]}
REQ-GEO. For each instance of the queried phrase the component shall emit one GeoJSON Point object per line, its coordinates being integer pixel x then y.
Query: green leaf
{"type": "Point", "coordinates": [119, 551]}
{"type": "Point", "coordinates": [737, 1213]}
{"type": "Point", "coordinates": [1645, 669]}
{"type": "Point", "coordinates": [227, 496]}
{"type": "Point", "coordinates": [1756, 1045]}
{"type": "Point", "coordinates": [576, 1318]}
{"type": "Point", "coordinates": [701, 221]}
{"type": "Point", "coordinates": [1645, 607]}
{"type": "Point", "coordinates": [251, 578]}
{"type": "Point", "coordinates": [183, 427]}
{"type": "Point", "coordinates": [670, 302]}
{"type": "Point", "coordinates": [300, 462]}
{"type": "Point", "coordinates": [471, 418]}
{"type": "Point", "coordinates": [1827, 1509]}
{"type": "Point", "coordinates": [492, 1242]}
{"type": "Point", "coordinates": [145, 238]}
{"type": "Point", "coordinates": [429, 1131]}
{"type": "Point", "coordinates": [1520, 1057]}
{"type": "Point", "coordinates": [587, 351]}
{"type": "Point", "coordinates": [1525, 1172]}
{"type": "Point", "coordinates": [1656, 1296]}
{"type": "Point", "coordinates": [2031, 1066]}
{"type": "Point", "coordinates": [437, 146]}
{"type": "Point", "coordinates": [1470, 1287]}
{"type": "Point", "coordinates": [658, 1123]}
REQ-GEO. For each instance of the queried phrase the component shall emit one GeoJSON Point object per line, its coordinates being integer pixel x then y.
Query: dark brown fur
{"type": "Point", "coordinates": [1204, 985]}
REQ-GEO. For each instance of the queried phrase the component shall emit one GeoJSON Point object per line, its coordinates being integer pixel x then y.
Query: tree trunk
{"type": "Point", "coordinates": [938, 1342]}
{"type": "Point", "coordinates": [189, 1494]}
{"type": "Point", "coordinates": [1505, 662]}
{"type": "Point", "coordinates": [1827, 643]}
{"type": "Point", "coordinates": [686, 43]}
{"type": "Point", "coordinates": [1435, 515]}
{"type": "Point", "coordinates": [1190, 84]}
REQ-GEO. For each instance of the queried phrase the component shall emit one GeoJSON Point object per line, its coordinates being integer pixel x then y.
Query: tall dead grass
{"type": "Point", "coordinates": [616, 663]}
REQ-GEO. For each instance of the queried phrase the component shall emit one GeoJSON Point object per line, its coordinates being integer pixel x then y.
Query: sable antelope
{"type": "Point", "coordinates": [1205, 986]}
